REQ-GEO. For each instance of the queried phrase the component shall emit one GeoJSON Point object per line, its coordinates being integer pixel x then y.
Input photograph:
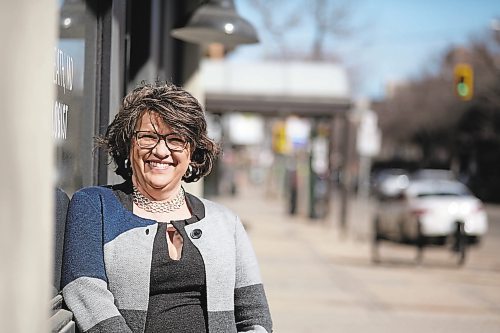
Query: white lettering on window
{"type": "Point", "coordinates": [60, 120]}
{"type": "Point", "coordinates": [63, 70]}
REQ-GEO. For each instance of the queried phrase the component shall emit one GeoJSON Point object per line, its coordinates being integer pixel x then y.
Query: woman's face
{"type": "Point", "coordinates": [157, 170]}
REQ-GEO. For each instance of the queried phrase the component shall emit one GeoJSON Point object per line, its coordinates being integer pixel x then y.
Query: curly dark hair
{"type": "Point", "coordinates": [178, 109]}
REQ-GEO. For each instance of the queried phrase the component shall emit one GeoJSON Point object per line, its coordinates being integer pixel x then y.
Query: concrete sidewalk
{"type": "Point", "coordinates": [321, 280]}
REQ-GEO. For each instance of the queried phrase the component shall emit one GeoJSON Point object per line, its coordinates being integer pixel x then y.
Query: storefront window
{"type": "Point", "coordinates": [72, 125]}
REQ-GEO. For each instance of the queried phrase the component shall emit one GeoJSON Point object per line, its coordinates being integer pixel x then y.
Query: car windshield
{"type": "Point", "coordinates": [435, 174]}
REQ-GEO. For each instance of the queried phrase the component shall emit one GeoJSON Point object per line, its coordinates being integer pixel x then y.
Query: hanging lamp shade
{"type": "Point", "coordinates": [217, 22]}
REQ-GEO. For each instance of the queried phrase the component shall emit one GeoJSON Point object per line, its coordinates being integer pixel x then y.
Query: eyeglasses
{"type": "Point", "coordinates": [149, 140]}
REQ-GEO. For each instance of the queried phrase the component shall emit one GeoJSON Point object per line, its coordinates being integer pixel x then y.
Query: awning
{"type": "Point", "coordinates": [275, 88]}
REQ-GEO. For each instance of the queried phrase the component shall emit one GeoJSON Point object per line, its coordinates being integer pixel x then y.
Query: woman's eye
{"type": "Point", "coordinates": [147, 136]}
{"type": "Point", "coordinates": [176, 140]}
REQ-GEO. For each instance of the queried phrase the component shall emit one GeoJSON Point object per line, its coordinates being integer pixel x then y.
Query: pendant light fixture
{"type": "Point", "coordinates": [217, 22]}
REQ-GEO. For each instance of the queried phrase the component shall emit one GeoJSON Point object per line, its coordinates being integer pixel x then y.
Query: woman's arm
{"type": "Point", "coordinates": [84, 280]}
{"type": "Point", "coordinates": [250, 303]}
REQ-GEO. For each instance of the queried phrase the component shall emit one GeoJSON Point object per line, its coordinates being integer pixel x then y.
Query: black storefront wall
{"type": "Point", "coordinates": [152, 53]}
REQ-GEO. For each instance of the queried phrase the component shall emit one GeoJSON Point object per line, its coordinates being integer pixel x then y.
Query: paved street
{"type": "Point", "coordinates": [320, 281]}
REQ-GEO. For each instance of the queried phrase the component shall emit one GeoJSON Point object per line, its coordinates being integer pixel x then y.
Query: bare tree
{"type": "Point", "coordinates": [326, 18]}
{"type": "Point", "coordinates": [426, 113]}
{"type": "Point", "coordinates": [330, 19]}
{"type": "Point", "coordinates": [277, 23]}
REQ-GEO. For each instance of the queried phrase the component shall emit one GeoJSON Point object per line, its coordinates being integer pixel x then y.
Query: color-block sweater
{"type": "Point", "coordinates": [107, 265]}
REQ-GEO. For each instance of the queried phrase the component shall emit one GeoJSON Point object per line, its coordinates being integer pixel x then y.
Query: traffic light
{"type": "Point", "coordinates": [463, 83]}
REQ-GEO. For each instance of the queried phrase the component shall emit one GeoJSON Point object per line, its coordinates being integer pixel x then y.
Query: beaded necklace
{"type": "Point", "coordinates": [158, 206]}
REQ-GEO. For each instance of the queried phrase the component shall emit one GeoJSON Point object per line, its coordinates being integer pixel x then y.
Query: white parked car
{"type": "Point", "coordinates": [431, 212]}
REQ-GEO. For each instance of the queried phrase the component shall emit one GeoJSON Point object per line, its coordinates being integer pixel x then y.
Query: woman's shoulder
{"type": "Point", "coordinates": [98, 197]}
{"type": "Point", "coordinates": [214, 209]}
{"type": "Point", "coordinates": [93, 193]}
{"type": "Point", "coordinates": [216, 206]}
{"type": "Point", "coordinates": [210, 208]}
{"type": "Point", "coordinates": [92, 190]}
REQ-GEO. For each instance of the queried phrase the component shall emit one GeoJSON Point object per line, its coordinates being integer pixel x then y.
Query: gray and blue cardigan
{"type": "Point", "coordinates": [107, 264]}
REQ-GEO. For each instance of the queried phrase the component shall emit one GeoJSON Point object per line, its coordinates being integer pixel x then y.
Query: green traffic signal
{"type": "Point", "coordinates": [463, 89]}
{"type": "Point", "coordinates": [464, 81]}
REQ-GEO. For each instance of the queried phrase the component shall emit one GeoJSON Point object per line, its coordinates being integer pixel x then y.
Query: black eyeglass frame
{"type": "Point", "coordinates": [163, 137]}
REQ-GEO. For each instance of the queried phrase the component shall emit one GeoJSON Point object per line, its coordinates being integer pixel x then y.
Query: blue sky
{"type": "Point", "coordinates": [398, 39]}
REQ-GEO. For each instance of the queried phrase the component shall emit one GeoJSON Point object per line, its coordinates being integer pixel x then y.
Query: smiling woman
{"type": "Point", "coordinates": [149, 106]}
{"type": "Point", "coordinates": [157, 168]}
{"type": "Point", "coordinates": [145, 256]}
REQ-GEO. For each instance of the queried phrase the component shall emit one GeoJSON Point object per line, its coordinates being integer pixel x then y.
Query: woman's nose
{"type": "Point", "coordinates": [161, 149]}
